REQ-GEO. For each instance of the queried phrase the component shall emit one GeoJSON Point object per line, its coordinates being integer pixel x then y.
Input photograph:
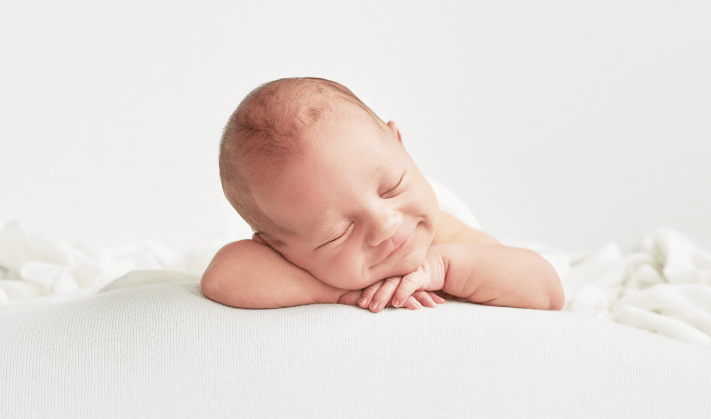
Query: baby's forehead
{"type": "Point", "coordinates": [296, 197]}
{"type": "Point", "coordinates": [352, 130]}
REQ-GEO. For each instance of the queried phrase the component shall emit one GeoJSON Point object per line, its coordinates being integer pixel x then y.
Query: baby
{"type": "Point", "coordinates": [342, 214]}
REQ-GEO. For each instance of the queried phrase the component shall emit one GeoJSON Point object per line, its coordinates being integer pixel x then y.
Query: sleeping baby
{"type": "Point", "coordinates": [341, 214]}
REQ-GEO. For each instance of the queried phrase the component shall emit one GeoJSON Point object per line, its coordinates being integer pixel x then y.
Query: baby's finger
{"type": "Point", "coordinates": [368, 293]}
{"type": "Point", "coordinates": [412, 303]}
{"type": "Point", "coordinates": [409, 284]}
{"type": "Point", "coordinates": [437, 299]}
{"type": "Point", "coordinates": [424, 298]}
{"type": "Point", "coordinates": [350, 297]}
{"type": "Point", "coordinates": [384, 294]}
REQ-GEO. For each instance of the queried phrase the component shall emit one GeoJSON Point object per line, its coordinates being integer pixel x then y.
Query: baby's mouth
{"type": "Point", "coordinates": [400, 246]}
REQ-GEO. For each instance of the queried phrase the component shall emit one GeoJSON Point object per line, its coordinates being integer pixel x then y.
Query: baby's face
{"type": "Point", "coordinates": [359, 208]}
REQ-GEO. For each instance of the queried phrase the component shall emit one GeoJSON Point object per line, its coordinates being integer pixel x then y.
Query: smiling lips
{"type": "Point", "coordinates": [401, 245]}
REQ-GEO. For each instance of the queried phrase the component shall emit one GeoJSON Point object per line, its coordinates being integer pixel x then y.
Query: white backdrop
{"type": "Point", "coordinates": [570, 123]}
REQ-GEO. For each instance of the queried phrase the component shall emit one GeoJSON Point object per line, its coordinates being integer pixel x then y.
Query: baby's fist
{"type": "Point", "coordinates": [379, 295]}
{"type": "Point", "coordinates": [428, 277]}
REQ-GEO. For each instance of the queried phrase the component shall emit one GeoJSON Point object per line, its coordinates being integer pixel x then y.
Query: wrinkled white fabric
{"type": "Point", "coordinates": [37, 267]}
{"type": "Point", "coordinates": [664, 288]}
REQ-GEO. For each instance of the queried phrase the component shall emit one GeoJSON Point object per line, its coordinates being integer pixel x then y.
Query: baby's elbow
{"type": "Point", "coordinates": [209, 286]}
{"type": "Point", "coordinates": [215, 283]}
{"type": "Point", "coordinates": [557, 300]}
{"type": "Point", "coordinates": [556, 295]}
{"type": "Point", "coordinates": [210, 283]}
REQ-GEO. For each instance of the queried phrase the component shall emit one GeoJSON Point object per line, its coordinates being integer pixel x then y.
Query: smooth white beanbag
{"type": "Point", "coordinates": [164, 350]}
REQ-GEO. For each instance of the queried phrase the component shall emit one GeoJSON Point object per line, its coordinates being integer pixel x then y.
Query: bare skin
{"type": "Point", "coordinates": [361, 226]}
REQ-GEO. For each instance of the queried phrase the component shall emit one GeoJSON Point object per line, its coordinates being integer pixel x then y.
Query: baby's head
{"type": "Point", "coordinates": [326, 183]}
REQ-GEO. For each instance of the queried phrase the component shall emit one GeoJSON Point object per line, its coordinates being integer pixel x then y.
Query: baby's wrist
{"type": "Point", "coordinates": [438, 263]}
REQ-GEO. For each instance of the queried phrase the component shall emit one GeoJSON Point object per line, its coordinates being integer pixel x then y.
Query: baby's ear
{"type": "Point", "coordinates": [392, 126]}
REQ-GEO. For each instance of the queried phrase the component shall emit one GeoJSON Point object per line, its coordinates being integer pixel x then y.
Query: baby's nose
{"type": "Point", "coordinates": [384, 224]}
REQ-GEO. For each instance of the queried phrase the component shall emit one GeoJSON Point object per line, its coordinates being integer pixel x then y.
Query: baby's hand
{"type": "Point", "coordinates": [429, 277]}
{"type": "Point", "coordinates": [411, 291]}
{"type": "Point", "coordinates": [364, 297]}
{"type": "Point", "coordinates": [378, 295]}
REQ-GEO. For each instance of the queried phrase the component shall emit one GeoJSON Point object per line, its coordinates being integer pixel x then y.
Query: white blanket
{"type": "Point", "coordinates": [665, 288]}
{"type": "Point", "coordinates": [37, 267]}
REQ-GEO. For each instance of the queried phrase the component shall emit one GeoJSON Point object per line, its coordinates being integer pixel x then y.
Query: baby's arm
{"type": "Point", "coordinates": [499, 275]}
{"type": "Point", "coordinates": [486, 273]}
{"type": "Point", "coordinates": [471, 264]}
{"type": "Point", "coordinates": [249, 274]}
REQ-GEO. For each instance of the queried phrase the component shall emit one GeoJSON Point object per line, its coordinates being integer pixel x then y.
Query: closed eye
{"type": "Point", "coordinates": [392, 190]}
{"type": "Point", "coordinates": [339, 236]}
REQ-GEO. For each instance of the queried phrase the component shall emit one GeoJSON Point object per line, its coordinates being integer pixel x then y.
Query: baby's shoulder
{"type": "Point", "coordinates": [451, 230]}
{"type": "Point", "coordinates": [447, 228]}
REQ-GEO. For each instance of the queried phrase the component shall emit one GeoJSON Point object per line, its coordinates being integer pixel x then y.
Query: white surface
{"type": "Point", "coordinates": [570, 123]}
{"type": "Point", "coordinates": [164, 350]}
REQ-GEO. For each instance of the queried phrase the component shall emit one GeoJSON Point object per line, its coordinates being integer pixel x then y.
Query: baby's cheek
{"type": "Point", "coordinates": [348, 272]}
